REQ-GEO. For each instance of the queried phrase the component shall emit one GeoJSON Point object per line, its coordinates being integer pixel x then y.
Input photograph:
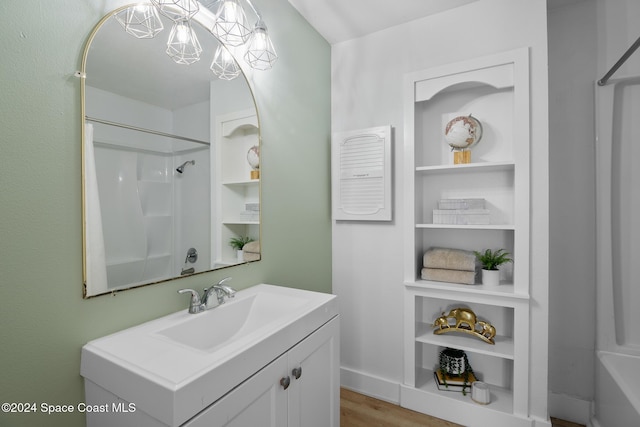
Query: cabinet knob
{"type": "Point", "coordinates": [284, 382]}
{"type": "Point", "coordinates": [297, 372]}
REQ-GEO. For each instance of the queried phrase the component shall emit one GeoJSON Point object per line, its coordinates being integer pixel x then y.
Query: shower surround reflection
{"type": "Point", "coordinates": [142, 202]}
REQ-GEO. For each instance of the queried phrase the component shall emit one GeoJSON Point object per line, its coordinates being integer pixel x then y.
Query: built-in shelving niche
{"type": "Point", "coordinates": [236, 133]}
{"type": "Point", "coordinates": [495, 90]}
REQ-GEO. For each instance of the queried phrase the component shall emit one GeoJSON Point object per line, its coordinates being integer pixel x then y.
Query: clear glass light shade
{"type": "Point", "coordinates": [177, 10]}
{"type": "Point", "coordinates": [261, 55]}
{"type": "Point", "coordinates": [231, 24]}
{"type": "Point", "coordinates": [224, 66]}
{"type": "Point", "coordinates": [183, 45]}
{"type": "Point", "coordinates": [141, 21]}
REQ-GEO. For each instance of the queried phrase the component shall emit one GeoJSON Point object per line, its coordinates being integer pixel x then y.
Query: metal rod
{"type": "Point", "coordinates": [603, 81]}
{"type": "Point", "coordinates": [154, 132]}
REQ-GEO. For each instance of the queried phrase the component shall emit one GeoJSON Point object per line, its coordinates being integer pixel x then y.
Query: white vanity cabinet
{"type": "Point", "coordinates": [298, 389]}
{"type": "Point", "coordinates": [267, 357]}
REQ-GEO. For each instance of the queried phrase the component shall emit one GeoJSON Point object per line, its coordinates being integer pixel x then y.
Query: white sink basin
{"type": "Point", "coordinates": [177, 365]}
{"type": "Point", "coordinates": [235, 319]}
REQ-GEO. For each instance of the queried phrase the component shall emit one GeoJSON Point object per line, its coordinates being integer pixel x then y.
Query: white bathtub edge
{"type": "Point", "coordinates": [626, 379]}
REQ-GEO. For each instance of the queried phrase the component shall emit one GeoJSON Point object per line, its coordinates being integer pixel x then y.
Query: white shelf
{"type": "Point", "coordinates": [501, 398]}
{"type": "Point", "coordinates": [503, 347]}
{"type": "Point", "coordinates": [242, 183]}
{"type": "Point", "coordinates": [458, 290]}
{"type": "Point", "coordinates": [468, 227]}
{"type": "Point", "coordinates": [469, 167]}
{"type": "Point", "coordinates": [240, 222]}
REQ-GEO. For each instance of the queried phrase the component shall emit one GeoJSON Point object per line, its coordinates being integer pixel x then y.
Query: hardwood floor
{"type": "Point", "coordinates": [562, 423]}
{"type": "Point", "coordinates": [357, 410]}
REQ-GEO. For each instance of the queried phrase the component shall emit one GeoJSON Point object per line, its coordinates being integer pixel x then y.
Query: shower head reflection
{"type": "Point", "coordinates": [180, 168]}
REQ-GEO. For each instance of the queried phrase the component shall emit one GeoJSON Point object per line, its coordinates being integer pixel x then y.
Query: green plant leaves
{"type": "Point", "coordinates": [491, 260]}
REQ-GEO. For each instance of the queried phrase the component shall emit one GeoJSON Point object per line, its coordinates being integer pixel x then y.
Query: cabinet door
{"type": "Point", "coordinates": [259, 401]}
{"type": "Point", "coordinates": [314, 395]}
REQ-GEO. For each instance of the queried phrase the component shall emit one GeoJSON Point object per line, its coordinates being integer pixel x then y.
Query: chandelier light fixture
{"type": "Point", "coordinates": [141, 21]}
{"type": "Point", "coordinates": [260, 53]}
{"type": "Point", "coordinates": [177, 10]}
{"type": "Point", "coordinates": [224, 66]}
{"type": "Point", "coordinates": [183, 45]}
{"type": "Point", "coordinates": [231, 27]}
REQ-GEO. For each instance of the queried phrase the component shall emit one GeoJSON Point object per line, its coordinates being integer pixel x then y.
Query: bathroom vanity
{"type": "Point", "coordinates": [268, 357]}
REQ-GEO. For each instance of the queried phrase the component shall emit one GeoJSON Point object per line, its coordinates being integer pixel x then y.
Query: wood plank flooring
{"type": "Point", "coordinates": [357, 410]}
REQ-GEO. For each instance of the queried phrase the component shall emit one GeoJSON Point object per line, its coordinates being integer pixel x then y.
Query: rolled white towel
{"type": "Point", "coordinates": [252, 247]}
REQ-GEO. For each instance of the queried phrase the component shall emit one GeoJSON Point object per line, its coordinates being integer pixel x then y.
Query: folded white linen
{"type": "Point", "coordinates": [450, 259]}
{"type": "Point", "coordinates": [451, 276]}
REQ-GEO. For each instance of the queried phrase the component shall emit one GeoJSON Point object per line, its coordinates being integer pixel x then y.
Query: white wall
{"type": "Point", "coordinates": [572, 245]}
{"type": "Point", "coordinates": [367, 78]}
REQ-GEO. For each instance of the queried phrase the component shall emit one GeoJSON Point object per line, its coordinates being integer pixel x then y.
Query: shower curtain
{"type": "Point", "coordinates": [96, 269]}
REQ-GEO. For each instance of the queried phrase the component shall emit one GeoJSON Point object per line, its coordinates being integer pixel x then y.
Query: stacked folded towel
{"type": "Point", "coordinates": [449, 265]}
{"type": "Point", "coordinates": [251, 251]}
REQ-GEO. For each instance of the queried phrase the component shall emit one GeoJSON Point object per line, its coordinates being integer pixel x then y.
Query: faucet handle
{"type": "Point", "coordinates": [195, 306]}
{"type": "Point", "coordinates": [195, 296]}
{"type": "Point", "coordinates": [228, 290]}
{"type": "Point", "coordinates": [226, 279]}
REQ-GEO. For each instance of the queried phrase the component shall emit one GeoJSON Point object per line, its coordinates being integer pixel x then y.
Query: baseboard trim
{"type": "Point", "coordinates": [570, 408]}
{"type": "Point", "coordinates": [593, 423]}
{"type": "Point", "coordinates": [370, 385]}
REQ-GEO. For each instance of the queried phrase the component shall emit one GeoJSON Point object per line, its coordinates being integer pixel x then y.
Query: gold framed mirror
{"type": "Point", "coordinates": [170, 155]}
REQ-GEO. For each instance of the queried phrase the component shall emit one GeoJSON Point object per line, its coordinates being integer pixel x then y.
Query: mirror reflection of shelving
{"type": "Point", "coordinates": [238, 203]}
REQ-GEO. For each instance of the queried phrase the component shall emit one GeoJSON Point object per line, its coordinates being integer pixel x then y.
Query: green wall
{"type": "Point", "coordinates": [43, 319]}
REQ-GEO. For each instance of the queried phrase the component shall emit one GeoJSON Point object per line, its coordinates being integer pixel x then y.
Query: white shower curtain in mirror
{"type": "Point", "coordinates": [96, 268]}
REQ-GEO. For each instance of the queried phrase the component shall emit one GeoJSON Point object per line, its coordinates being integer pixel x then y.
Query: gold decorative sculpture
{"type": "Point", "coordinates": [465, 321]}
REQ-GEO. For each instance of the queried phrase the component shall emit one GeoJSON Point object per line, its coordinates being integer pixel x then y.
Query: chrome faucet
{"type": "Point", "coordinates": [221, 290]}
{"type": "Point", "coordinates": [198, 305]}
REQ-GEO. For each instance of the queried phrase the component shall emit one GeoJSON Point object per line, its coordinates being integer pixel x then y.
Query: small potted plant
{"type": "Point", "coordinates": [237, 243]}
{"type": "Point", "coordinates": [490, 261]}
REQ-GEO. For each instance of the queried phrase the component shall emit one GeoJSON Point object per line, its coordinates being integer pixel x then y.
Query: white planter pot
{"type": "Point", "coordinates": [490, 277]}
{"type": "Point", "coordinates": [240, 255]}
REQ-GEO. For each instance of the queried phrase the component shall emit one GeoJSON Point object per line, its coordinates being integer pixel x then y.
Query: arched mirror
{"type": "Point", "coordinates": [171, 174]}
